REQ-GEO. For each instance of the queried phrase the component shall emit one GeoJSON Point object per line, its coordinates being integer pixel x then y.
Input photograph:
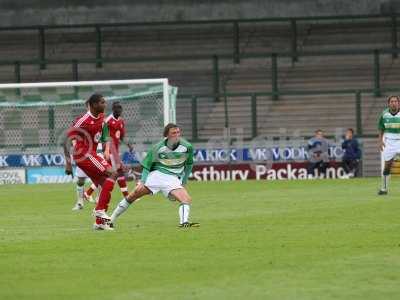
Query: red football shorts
{"type": "Point", "coordinates": [94, 166]}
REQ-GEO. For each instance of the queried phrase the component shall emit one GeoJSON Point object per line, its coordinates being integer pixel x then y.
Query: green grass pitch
{"type": "Point", "coordinates": [322, 239]}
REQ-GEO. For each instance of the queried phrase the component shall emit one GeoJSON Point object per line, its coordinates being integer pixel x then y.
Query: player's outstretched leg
{"type": "Point", "coordinates": [79, 194]}
{"type": "Point", "coordinates": [385, 178]}
{"type": "Point", "coordinates": [88, 193]}
{"type": "Point", "coordinates": [140, 190]}
{"type": "Point", "coordinates": [122, 184]}
{"type": "Point", "coordinates": [184, 207]}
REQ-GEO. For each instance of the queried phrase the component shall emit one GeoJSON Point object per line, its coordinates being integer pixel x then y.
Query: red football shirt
{"type": "Point", "coordinates": [116, 128]}
{"type": "Point", "coordinates": [86, 131]}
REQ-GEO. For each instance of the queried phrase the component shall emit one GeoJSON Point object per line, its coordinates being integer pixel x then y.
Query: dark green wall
{"type": "Point", "coordinates": [35, 12]}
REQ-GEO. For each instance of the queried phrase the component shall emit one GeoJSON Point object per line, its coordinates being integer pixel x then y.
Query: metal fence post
{"type": "Point", "coordinates": [75, 75]}
{"type": "Point", "coordinates": [42, 48]}
{"type": "Point", "coordinates": [17, 71]}
{"type": "Point", "coordinates": [195, 135]}
{"type": "Point", "coordinates": [274, 75]}
{"type": "Point", "coordinates": [236, 42]}
{"type": "Point", "coordinates": [358, 114]}
{"type": "Point", "coordinates": [226, 113]}
{"type": "Point", "coordinates": [294, 40]}
{"type": "Point", "coordinates": [254, 125]}
{"type": "Point", "coordinates": [394, 36]}
{"type": "Point", "coordinates": [216, 77]}
{"type": "Point", "coordinates": [377, 79]}
{"type": "Point", "coordinates": [51, 126]}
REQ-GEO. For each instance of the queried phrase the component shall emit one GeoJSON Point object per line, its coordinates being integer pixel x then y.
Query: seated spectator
{"type": "Point", "coordinates": [351, 155]}
{"type": "Point", "coordinates": [318, 155]}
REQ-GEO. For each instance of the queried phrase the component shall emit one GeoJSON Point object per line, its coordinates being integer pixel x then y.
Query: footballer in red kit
{"type": "Point", "coordinates": [86, 133]}
{"type": "Point", "coordinates": [116, 126]}
{"type": "Point", "coordinates": [116, 130]}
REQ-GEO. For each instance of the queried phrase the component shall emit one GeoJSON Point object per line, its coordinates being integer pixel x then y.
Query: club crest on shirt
{"type": "Point", "coordinates": [97, 137]}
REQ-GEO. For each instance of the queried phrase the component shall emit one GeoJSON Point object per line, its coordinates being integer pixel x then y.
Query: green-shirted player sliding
{"type": "Point", "coordinates": [166, 168]}
{"type": "Point", "coordinates": [389, 138]}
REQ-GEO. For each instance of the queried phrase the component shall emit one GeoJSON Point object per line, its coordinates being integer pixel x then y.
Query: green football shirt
{"type": "Point", "coordinates": [177, 161]}
{"type": "Point", "coordinates": [390, 124]}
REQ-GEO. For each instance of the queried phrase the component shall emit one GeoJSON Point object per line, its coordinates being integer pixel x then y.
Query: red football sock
{"type": "Point", "coordinates": [122, 184]}
{"type": "Point", "coordinates": [105, 194]}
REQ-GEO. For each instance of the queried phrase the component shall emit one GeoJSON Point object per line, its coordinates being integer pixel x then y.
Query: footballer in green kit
{"type": "Point", "coordinates": [166, 169]}
{"type": "Point", "coordinates": [389, 138]}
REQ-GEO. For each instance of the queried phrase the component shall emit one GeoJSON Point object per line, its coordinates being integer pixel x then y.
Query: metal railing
{"type": "Point", "coordinates": [253, 99]}
{"type": "Point", "coordinates": [235, 23]}
{"type": "Point", "coordinates": [214, 61]}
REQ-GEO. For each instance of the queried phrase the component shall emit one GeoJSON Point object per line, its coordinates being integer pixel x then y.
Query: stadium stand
{"type": "Point", "coordinates": [157, 51]}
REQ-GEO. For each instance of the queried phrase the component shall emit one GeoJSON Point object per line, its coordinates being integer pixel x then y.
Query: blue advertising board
{"type": "Point", "coordinates": [47, 175]}
{"type": "Point", "coordinates": [202, 155]}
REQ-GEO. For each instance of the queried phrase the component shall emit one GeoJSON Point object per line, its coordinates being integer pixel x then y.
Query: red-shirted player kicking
{"type": "Point", "coordinates": [86, 132]}
{"type": "Point", "coordinates": [116, 128]}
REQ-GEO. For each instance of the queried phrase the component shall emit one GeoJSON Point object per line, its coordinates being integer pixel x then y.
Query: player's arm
{"type": "Point", "coordinates": [106, 151]}
{"type": "Point", "coordinates": [68, 141]}
{"type": "Point", "coordinates": [147, 163]}
{"type": "Point", "coordinates": [68, 163]}
{"type": "Point", "coordinates": [127, 144]}
{"type": "Point", "coordinates": [188, 166]}
{"type": "Point", "coordinates": [123, 139]}
{"type": "Point", "coordinates": [381, 142]}
{"type": "Point", "coordinates": [381, 128]}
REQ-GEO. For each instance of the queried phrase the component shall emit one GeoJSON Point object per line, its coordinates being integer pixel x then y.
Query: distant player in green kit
{"type": "Point", "coordinates": [389, 138]}
{"type": "Point", "coordinates": [166, 168]}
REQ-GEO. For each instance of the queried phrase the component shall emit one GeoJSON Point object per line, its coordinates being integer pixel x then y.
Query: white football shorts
{"type": "Point", "coordinates": [392, 148]}
{"type": "Point", "coordinates": [79, 173]}
{"type": "Point", "coordinates": [161, 182]}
